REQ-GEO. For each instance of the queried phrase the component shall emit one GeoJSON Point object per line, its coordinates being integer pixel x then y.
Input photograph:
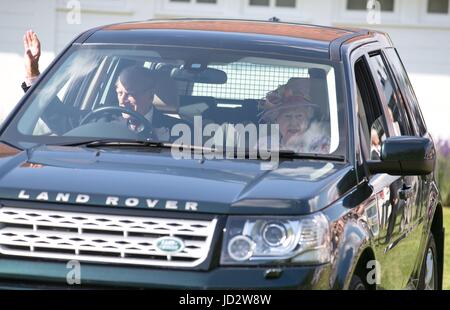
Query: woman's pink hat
{"type": "Point", "coordinates": [288, 96]}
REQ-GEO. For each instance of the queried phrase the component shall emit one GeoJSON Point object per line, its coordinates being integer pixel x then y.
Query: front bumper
{"type": "Point", "coordinates": [31, 274]}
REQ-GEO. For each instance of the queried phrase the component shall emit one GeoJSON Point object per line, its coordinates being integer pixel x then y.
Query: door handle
{"type": "Point", "coordinates": [406, 192]}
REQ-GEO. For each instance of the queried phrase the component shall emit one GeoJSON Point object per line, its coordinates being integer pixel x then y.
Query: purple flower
{"type": "Point", "coordinates": [443, 147]}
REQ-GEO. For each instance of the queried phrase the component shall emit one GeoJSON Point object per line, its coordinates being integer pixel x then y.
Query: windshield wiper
{"type": "Point", "coordinates": [119, 143]}
{"type": "Point", "coordinates": [292, 154]}
{"type": "Point", "coordinates": [247, 154]}
{"type": "Point", "coordinates": [284, 154]}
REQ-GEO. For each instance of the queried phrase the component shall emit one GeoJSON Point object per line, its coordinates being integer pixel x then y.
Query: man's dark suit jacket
{"type": "Point", "coordinates": [61, 118]}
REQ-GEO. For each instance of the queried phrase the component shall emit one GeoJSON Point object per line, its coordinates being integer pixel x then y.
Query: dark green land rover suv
{"type": "Point", "coordinates": [220, 154]}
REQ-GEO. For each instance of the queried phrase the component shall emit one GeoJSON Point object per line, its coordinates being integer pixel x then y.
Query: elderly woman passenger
{"type": "Point", "coordinates": [294, 112]}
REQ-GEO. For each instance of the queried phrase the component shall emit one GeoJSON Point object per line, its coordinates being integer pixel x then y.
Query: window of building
{"type": "Point", "coordinates": [197, 1]}
{"type": "Point", "coordinates": [361, 5]}
{"type": "Point", "coordinates": [438, 6]}
{"type": "Point", "coordinates": [259, 2]}
{"type": "Point", "coordinates": [276, 3]}
{"type": "Point", "coordinates": [285, 3]}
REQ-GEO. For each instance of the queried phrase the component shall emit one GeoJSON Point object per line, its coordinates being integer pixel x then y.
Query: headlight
{"type": "Point", "coordinates": [281, 239]}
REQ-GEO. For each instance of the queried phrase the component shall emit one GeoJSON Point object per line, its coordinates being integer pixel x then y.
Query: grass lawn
{"type": "Point", "coordinates": [446, 284]}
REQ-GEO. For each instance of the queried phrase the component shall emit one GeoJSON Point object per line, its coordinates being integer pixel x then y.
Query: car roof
{"type": "Point", "coordinates": [263, 36]}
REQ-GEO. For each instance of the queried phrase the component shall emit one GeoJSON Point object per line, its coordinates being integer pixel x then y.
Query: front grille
{"type": "Point", "coordinates": [102, 238]}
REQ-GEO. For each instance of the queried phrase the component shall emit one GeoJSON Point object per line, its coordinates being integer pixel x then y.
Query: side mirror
{"type": "Point", "coordinates": [405, 155]}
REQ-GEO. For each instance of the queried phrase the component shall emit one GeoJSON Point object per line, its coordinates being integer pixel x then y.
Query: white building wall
{"type": "Point", "coordinates": [15, 18]}
{"type": "Point", "coordinates": [422, 39]}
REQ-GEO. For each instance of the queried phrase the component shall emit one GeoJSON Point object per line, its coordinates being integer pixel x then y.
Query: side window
{"type": "Point", "coordinates": [371, 119]}
{"type": "Point", "coordinates": [395, 112]}
{"type": "Point", "coordinates": [407, 89]}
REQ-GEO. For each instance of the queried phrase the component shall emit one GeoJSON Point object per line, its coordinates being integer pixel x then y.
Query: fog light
{"type": "Point", "coordinates": [240, 248]}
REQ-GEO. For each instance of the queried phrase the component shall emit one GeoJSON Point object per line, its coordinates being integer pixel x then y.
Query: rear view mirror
{"type": "Point", "coordinates": [405, 155]}
{"type": "Point", "coordinates": [204, 75]}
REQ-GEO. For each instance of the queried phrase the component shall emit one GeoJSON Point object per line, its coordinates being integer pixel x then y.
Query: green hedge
{"type": "Point", "coordinates": [443, 170]}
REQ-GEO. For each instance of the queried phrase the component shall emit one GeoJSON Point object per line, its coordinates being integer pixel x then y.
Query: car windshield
{"type": "Point", "coordinates": [203, 97]}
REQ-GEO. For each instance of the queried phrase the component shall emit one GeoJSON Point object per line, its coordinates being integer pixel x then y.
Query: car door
{"type": "Point", "coordinates": [418, 125]}
{"type": "Point", "coordinates": [404, 235]}
{"type": "Point", "coordinates": [383, 112]}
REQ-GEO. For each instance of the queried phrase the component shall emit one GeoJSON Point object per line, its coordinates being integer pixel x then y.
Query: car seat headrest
{"type": "Point", "coordinates": [166, 96]}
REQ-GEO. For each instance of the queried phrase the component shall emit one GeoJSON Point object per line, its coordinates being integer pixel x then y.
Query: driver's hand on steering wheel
{"type": "Point", "coordinates": [134, 124]}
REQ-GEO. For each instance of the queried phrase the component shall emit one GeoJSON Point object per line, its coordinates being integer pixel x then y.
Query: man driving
{"type": "Point", "coordinates": [135, 89]}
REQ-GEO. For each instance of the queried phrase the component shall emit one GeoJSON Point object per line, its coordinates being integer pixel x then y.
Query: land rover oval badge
{"type": "Point", "coordinates": [169, 245]}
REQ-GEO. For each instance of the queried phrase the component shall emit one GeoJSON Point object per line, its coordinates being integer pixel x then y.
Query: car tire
{"type": "Point", "coordinates": [429, 273]}
{"type": "Point", "coordinates": [357, 284]}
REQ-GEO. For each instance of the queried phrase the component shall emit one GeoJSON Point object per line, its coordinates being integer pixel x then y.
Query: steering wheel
{"type": "Point", "coordinates": [117, 111]}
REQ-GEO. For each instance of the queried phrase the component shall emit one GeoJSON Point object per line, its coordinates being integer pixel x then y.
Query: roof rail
{"type": "Point", "coordinates": [335, 45]}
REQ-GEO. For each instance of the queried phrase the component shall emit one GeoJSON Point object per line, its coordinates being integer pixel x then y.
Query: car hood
{"type": "Point", "coordinates": [150, 178]}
